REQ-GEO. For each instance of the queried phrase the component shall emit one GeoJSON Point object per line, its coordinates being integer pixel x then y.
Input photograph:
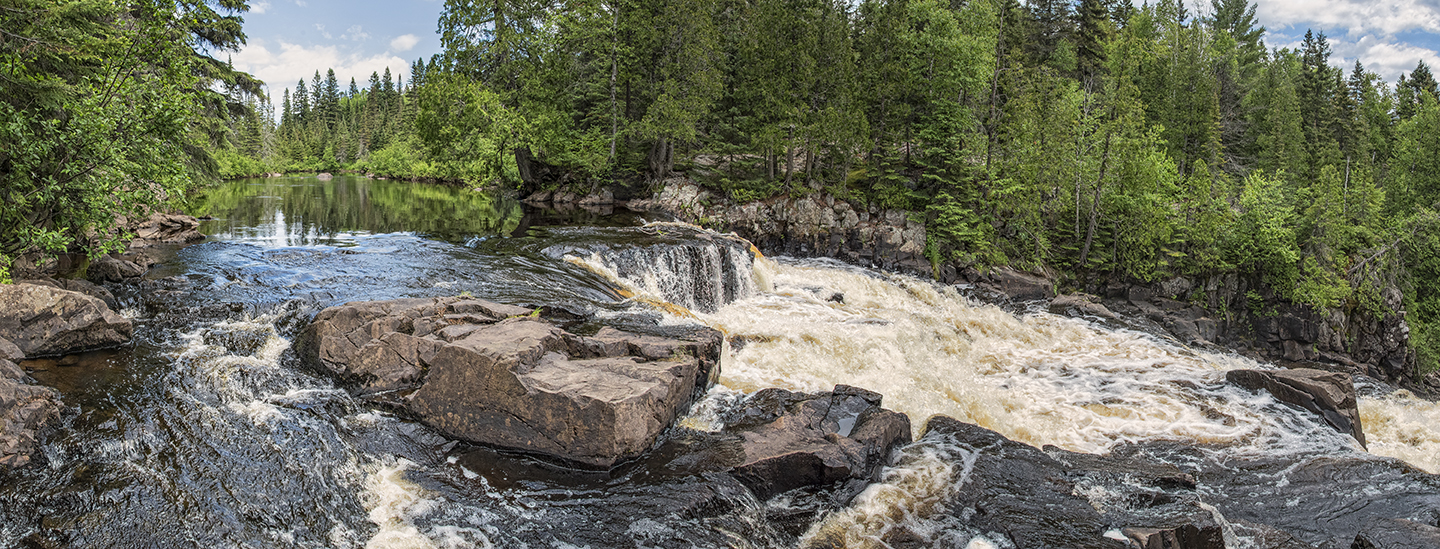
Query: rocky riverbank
{"type": "Point", "coordinates": [45, 313]}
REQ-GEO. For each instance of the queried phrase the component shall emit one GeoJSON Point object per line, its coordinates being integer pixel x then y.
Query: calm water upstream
{"type": "Point", "coordinates": [206, 431]}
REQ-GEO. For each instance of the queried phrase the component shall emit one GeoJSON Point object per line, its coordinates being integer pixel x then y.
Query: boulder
{"type": "Point", "coordinates": [41, 320]}
{"type": "Point", "coordinates": [1397, 534]}
{"type": "Point", "coordinates": [1023, 286]}
{"type": "Point", "coordinates": [110, 269]}
{"type": "Point", "coordinates": [169, 228]}
{"type": "Point", "coordinates": [793, 440]}
{"type": "Point", "coordinates": [324, 176]}
{"type": "Point", "coordinates": [1017, 490]}
{"type": "Point", "coordinates": [1331, 395]}
{"type": "Point", "coordinates": [10, 352]}
{"type": "Point", "coordinates": [76, 285]}
{"type": "Point", "coordinates": [1077, 305]}
{"type": "Point", "coordinates": [1196, 529]}
{"type": "Point", "coordinates": [25, 410]}
{"type": "Point", "coordinates": [493, 374]}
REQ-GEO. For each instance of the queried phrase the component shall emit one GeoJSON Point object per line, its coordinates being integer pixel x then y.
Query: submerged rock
{"type": "Point", "coordinates": [43, 320]}
{"type": "Point", "coordinates": [492, 374]}
{"type": "Point", "coordinates": [1330, 395]}
{"type": "Point", "coordinates": [25, 410]}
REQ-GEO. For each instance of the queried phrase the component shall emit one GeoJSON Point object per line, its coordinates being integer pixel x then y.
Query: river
{"type": "Point", "coordinates": [207, 432]}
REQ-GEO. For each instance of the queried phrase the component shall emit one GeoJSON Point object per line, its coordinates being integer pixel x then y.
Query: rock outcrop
{"type": "Point", "coordinates": [792, 440]}
{"type": "Point", "coordinates": [25, 410]}
{"type": "Point", "coordinates": [810, 226]}
{"type": "Point", "coordinates": [168, 228]}
{"type": "Point", "coordinates": [1330, 395]}
{"type": "Point", "coordinates": [1246, 315]}
{"type": "Point", "coordinates": [43, 320]}
{"type": "Point", "coordinates": [76, 285]}
{"type": "Point", "coordinates": [1048, 498]}
{"type": "Point", "coordinates": [492, 374]}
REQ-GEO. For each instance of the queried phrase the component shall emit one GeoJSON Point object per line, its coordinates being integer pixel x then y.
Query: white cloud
{"type": "Point", "coordinates": [1385, 58]}
{"type": "Point", "coordinates": [356, 33]}
{"type": "Point", "coordinates": [321, 28]}
{"type": "Point", "coordinates": [283, 68]}
{"type": "Point", "coordinates": [259, 7]}
{"type": "Point", "coordinates": [1358, 17]}
{"type": "Point", "coordinates": [404, 42]}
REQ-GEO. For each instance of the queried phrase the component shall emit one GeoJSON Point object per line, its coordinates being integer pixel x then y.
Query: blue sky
{"type": "Point", "coordinates": [1388, 36]}
{"type": "Point", "coordinates": [291, 39]}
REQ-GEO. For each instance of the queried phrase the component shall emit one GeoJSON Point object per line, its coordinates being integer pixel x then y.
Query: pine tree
{"type": "Point", "coordinates": [1094, 33]}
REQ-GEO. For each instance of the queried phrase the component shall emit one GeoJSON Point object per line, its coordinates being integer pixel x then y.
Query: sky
{"type": "Point", "coordinates": [1388, 36]}
{"type": "Point", "coordinates": [291, 39]}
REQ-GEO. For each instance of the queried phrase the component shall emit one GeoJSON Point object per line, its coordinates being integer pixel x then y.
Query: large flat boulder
{"type": "Point", "coordinates": [43, 320]}
{"type": "Point", "coordinates": [76, 285]}
{"type": "Point", "coordinates": [494, 374]}
{"type": "Point", "coordinates": [793, 440]}
{"type": "Point", "coordinates": [1331, 395]}
{"type": "Point", "coordinates": [25, 410]}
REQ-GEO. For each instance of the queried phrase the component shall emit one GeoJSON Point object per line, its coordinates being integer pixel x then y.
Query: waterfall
{"type": "Point", "coordinates": [691, 268]}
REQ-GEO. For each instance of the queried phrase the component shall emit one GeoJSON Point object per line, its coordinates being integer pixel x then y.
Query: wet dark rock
{"type": "Point", "coordinates": [492, 374]}
{"type": "Point", "coordinates": [25, 411]}
{"type": "Point", "coordinates": [1397, 534]}
{"type": "Point", "coordinates": [110, 269]}
{"type": "Point", "coordinates": [42, 320]}
{"type": "Point", "coordinates": [1196, 529]}
{"type": "Point", "coordinates": [792, 440]}
{"type": "Point", "coordinates": [1330, 395]}
{"type": "Point", "coordinates": [1019, 491]}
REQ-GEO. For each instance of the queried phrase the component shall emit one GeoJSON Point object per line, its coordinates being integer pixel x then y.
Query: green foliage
{"type": "Point", "coordinates": [1262, 241]}
{"type": "Point", "coordinates": [91, 129]}
{"type": "Point", "coordinates": [1104, 140]}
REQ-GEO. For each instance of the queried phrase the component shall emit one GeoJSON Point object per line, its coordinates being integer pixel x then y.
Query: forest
{"type": "Point", "coordinates": [1096, 138]}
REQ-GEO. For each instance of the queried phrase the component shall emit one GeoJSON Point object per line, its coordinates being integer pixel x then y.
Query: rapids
{"type": "Point", "coordinates": [207, 432]}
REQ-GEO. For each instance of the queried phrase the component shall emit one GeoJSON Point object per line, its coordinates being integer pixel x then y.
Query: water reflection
{"type": "Point", "coordinates": [283, 212]}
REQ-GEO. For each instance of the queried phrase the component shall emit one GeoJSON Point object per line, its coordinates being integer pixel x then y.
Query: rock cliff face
{"type": "Point", "coordinates": [493, 374]}
{"type": "Point", "coordinates": [1246, 315]}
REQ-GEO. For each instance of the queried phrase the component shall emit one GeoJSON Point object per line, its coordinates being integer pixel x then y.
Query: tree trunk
{"type": "Point", "coordinates": [662, 158]}
{"type": "Point", "coordinates": [790, 156]}
{"type": "Point", "coordinates": [614, 73]}
{"type": "Point", "coordinates": [1095, 206]}
{"type": "Point", "coordinates": [524, 165]}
